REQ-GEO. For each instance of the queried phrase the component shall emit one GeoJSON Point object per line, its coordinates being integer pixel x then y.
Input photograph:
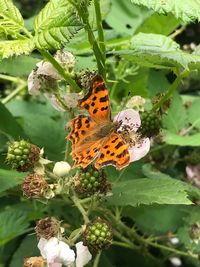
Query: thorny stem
{"type": "Point", "coordinates": [91, 38]}
{"type": "Point", "coordinates": [80, 208]}
{"type": "Point", "coordinates": [170, 90]}
{"type": "Point", "coordinates": [97, 259]}
{"type": "Point", "coordinates": [60, 70]}
{"type": "Point", "coordinates": [20, 88]}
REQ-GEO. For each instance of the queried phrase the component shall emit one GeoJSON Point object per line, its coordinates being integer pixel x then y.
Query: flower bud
{"type": "Point", "coordinates": [98, 234]}
{"type": "Point", "coordinates": [47, 228]}
{"type": "Point", "coordinates": [61, 168]}
{"type": "Point", "coordinates": [22, 155]}
{"type": "Point", "coordinates": [136, 102]}
{"type": "Point", "coordinates": [34, 262]}
{"type": "Point", "coordinates": [90, 181]}
{"type": "Point", "coordinates": [34, 186]}
{"type": "Point", "coordinates": [84, 78]}
{"type": "Point", "coordinates": [66, 59]}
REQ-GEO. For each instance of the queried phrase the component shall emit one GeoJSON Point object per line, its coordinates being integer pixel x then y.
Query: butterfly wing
{"type": "Point", "coordinates": [96, 102]}
{"type": "Point", "coordinates": [114, 151]}
{"type": "Point", "coordinates": [84, 147]}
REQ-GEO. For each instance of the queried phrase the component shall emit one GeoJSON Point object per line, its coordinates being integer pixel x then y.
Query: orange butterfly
{"type": "Point", "coordinates": [96, 136]}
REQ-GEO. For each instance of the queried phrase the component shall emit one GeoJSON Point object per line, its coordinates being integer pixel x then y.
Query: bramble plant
{"type": "Point", "coordinates": [99, 131]}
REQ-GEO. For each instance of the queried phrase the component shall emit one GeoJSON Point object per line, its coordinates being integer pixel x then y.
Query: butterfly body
{"type": "Point", "coordinates": [96, 136]}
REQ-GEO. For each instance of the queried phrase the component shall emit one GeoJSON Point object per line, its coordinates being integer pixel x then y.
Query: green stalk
{"type": "Point", "coordinates": [60, 70]}
{"type": "Point", "coordinates": [97, 259]}
{"type": "Point", "coordinates": [20, 88]}
{"type": "Point", "coordinates": [170, 90]}
{"type": "Point", "coordinates": [100, 29]}
{"type": "Point", "coordinates": [80, 208]}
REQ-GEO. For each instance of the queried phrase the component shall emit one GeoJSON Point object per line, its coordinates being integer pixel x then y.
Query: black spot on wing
{"type": "Point", "coordinates": [119, 145]}
{"type": "Point", "coordinates": [103, 99]}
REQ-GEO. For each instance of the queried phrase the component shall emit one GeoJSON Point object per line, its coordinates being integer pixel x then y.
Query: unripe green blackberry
{"type": "Point", "coordinates": [34, 186]}
{"type": "Point", "coordinates": [150, 124]}
{"type": "Point", "coordinates": [193, 158]}
{"type": "Point", "coordinates": [98, 234]}
{"type": "Point", "coordinates": [90, 180]}
{"type": "Point", "coordinates": [22, 155]}
{"type": "Point", "coordinates": [84, 78]}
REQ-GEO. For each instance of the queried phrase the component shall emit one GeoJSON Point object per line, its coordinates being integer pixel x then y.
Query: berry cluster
{"type": "Point", "coordinates": [90, 181]}
{"type": "Point", "coordinates": [22, 155]}
{"type": "Point", "coordinates": [150, 124]}
{"type": "Point", "coordinates": [98, 234]}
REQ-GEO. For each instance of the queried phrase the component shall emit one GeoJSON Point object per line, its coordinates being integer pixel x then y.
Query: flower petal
{"type": "Point", "coordinates": [34, 83]}
{"type": "Point", "coordinates": [83, 255]}
{"type": "Point", "coordinates": [46, 68]}
{"type": "Point", "coordinates": [130, 118]}
{"type": "Point", "coordinates": [54, 102]}
{"type": "Point", "coordinates": [139, 150]}
{"type": "Point", "coordinates": [41, 244]}
{"type": "Point", "coordinates": [66, 254]}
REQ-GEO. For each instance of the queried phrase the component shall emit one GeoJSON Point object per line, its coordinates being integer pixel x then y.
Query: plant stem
{"type": "Point", "coordinates": [20, 88]}
{"type": "Point", "coordinates": [92, 40]}
{"type": "Point", "coordinates": [170, 90]}
{"type": "Point", "coordinates": [80, 208]}
{"type": "Point", "coordinates": [60, 70]}
{"type": "Point", "coordinates": [100, 29]}
{"type": "Point", "coordinates": [10, 78]}
{"type": "Point", "coordinates": [97, 259]}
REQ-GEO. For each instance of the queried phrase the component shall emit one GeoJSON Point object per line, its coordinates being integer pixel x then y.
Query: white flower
{"type": "Point", "coordinates": [61, 168]}
{"type": "Point", "coordinates": [136, 102]}
{"type": "Point", "coordinates": [130, 121]}
{"type": "Point", "coordinates": [56, 252]}
{"type": "Point", "coordinates": [83, 255]}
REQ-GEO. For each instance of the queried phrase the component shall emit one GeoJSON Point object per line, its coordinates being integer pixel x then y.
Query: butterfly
{"type": "Point", "coordinates": [95, 135]}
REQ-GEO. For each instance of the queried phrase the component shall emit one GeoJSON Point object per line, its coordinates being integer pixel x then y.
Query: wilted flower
{"type": "Point", "coordinates": [130, 122]}
{"type": "Point", "coordinates": [34, 262]}
{"type": "Point", "coordinates": [34, 185]}
{"type": "Point", "coordinates": [136, 102]}
{"type": "Point", "coordinates": [61, 168]}
{"type": "Point", "coordinates": [193, 174]}
{"type": "Point", "coordinates": [57, 252]}
{"type": "Point", "coordinates": [47, 228]}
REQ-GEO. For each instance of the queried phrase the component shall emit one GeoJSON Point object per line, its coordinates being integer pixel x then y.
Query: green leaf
{"type": "Point", "coordinates": [125, 18]}
{"type": "Point", "coordinates": [187, 11]}
{"type": "Point", "coordinates": [12, 224]}
{"type": "Point", "coordinates": [193, 113]}
{"type": "Point", "coordinates": [175, 119]}
{"type": "Point", "coordinates": [9, 48]}
{"type": "Point", "coordinates": [178, 140]}
{"type": "Point", "coordinates": [10, 17]}
{"type": "Point", "coordinates": [151, 172]}
{"type": "Point", "coordinates": [24, 64]}
{"type": "Point", "coordinates": [156, 219]}
{"type": "Point", "coordinates": [9, 179]}
{"type": "Point", "coordinates": [8, 125]}
{"type": "Point", "coordinates": [148, 191]}
{"type": "Point", "coordinates": [27, 248]}
{"type": "Point", "coordinates": [56, 23]}
{"type": "Point", "coordinates": [160, 24]}
{"type": "Point", "coordinates": [33, 116]}
{"type": "Point", "coordinates": [158, 51]}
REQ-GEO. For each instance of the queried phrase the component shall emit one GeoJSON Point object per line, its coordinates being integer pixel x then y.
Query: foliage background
{"type": "Point", "coordinates": [154, 193]}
